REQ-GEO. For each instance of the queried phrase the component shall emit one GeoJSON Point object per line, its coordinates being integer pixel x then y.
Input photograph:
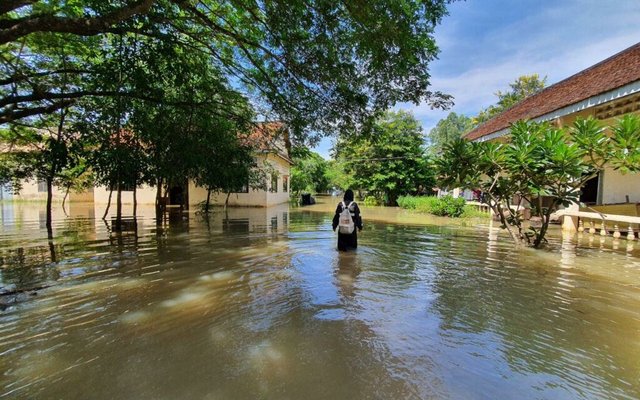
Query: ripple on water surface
{"type": "Point", "coordinates": [257, 303]}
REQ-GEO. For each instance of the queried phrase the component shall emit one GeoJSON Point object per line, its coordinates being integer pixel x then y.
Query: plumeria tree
{"type": "Point", "coordinates": [542, 167]}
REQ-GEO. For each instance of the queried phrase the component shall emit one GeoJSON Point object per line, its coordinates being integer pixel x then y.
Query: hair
{"type": "Point", "coordinates": [348, 195]}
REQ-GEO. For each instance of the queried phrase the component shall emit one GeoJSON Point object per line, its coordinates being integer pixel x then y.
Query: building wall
{"type": "Point", "coordinates": [147, 194]}
{"type": "Point", "coordinates": [616, 186]}
{"type": "Point", "coordinates": [144, 195]}
{"type": "Point", "coordinates": [254, 198]}
{"type": "Point", "coordinates": [30, 191]}
{"type": "Point", "coordinates": [278, 195]}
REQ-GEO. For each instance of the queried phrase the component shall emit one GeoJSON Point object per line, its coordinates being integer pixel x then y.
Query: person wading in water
{"type": "Point", "coordinates": [347, 219]}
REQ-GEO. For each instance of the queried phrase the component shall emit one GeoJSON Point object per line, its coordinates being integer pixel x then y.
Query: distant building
{"type": "Point", "coordinates": [607, 91]}
{"type": "Point", "coordinates": [271, 139]}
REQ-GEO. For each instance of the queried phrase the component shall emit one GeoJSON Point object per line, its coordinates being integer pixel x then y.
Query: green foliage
{"type": "Point", "coordinates": [539, 161]}
{"type": "Point", "coordinates": [521, 88]}
{"type": "Point", "coordinates": [389, 159]}
{"type": "Point", "coordinates": [454, 126]}
{"type": "Point", "coordinates": [337, 176]}
{"type": "Point", "coordinates": [372, 201]}
{"type": "Point", "coordinates": [320, 66]}
{"type": "Point", "coordinates": [309, 172]}
{"type": "Point", "coordinates": [156, 91]}
{"type": "Point", "coordinates": [446, 206]}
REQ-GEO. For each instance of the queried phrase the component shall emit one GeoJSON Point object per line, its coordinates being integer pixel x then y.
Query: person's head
{"type": "Point", "coordinates": [348, 195]}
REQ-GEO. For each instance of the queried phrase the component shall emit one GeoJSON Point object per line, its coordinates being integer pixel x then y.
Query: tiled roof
{"type": "Point", "coordinates": [612, 73]}
{"type": "Point", "coordinates": [270, 137]}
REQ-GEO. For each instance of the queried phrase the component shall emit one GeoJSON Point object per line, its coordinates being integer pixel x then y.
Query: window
{"type": "Point", "coordinates": [42, 186]}
{"type": "Point", "coordinates": [274, 182]}
{"type": "Point", "coordinates": [285, 183]}
{"type": "Point", "coordinates": [243, 189]}
{"type": "Point", "coordinates": [125, 187]}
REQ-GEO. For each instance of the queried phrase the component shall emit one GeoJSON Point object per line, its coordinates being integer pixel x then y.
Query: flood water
{"type": "Point", "coordinates": [257, 303]}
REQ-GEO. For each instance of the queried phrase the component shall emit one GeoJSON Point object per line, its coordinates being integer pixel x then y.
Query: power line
{"type": "Point", "coordinates": [378, 158]}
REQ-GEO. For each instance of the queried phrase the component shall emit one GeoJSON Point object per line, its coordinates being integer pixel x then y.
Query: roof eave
{"type": "Point", "coordinates": [611, 95]}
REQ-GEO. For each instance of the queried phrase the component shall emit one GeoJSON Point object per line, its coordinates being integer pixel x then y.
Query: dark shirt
{"type": "Point", "coordinates": [355, 214]}
{"type": "Point", "coordinates": [348, 241]}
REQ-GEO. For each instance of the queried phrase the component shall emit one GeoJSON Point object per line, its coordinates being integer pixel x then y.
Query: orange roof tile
{"type": "Point", "coordinates": [614, 72]}
{"type": "Point", "coordinates": [270, 137]}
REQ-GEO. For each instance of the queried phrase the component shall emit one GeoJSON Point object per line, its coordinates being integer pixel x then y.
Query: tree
{"type": "Point", "coordinates": [390, 159]}
{"type": "Point", "coordinates": [337, 177]}
{"type": "Point", "coordinates": [155, 64]}
{"type": "Point", "coordinates": [521, 88]}
{"type": "Point", "coordinates": [319, 66]}
{"type": "Point", "coordinates": [308, 173]}
{"type": "Point", "coordinates": [542, 167]}
{"type": "Point", "coordinates": [448, 129]}
{"type": "Point", "coordinates": [49, 149]}
{"type": "Point", "coordinates": [225, 161]}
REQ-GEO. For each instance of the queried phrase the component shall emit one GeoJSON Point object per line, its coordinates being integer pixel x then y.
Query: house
{"type": "Point", "coordinates": [607, 91]}
{"type": "Point", "coordinates": [271, 140]}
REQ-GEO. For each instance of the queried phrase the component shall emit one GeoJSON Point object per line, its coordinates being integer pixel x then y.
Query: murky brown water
{"type": "Point", "coordinates": [258, 304]}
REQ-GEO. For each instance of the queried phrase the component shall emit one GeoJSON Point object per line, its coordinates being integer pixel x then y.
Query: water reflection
{"type": "Point", "coordinates": [257, 303]}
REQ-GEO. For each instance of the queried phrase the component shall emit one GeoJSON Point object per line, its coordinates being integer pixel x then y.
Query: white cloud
{"type": "Point", "coordinates": [486, 45]}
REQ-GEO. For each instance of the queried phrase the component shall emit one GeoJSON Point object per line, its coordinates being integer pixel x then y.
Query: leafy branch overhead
{"type": "Point", "coordinates": [320, 65]}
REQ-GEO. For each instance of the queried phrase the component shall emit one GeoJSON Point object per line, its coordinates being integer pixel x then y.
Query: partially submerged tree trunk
{"type": "Point", "coordinates": [135, 200]}
{"type": "Point", "coordinates": [206, 206]}
{"type": "Point", "coordinates": [49, 201]}
{"type": "Point", "coordinates": [159, 201]}
{"type": "Point", "coordinates": [226, 201]}
{"type": "Point", "coordinates": [106, 211]}
{"type": "Point", "coordinates": [119, 208]}
{"type": "Point", "coordinates": [499, 209]}
{"type": "Point", "coordinates": [64, 199]}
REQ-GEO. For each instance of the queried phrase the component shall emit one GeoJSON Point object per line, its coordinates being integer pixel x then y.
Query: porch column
{"type": "Point", "coordinates": [570, 223]}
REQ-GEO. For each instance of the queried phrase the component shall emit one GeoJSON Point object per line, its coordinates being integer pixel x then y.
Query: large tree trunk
{"type": "Point", "coordinates": [49, 201]}
{"type": "Point", "coordinates": [106, 211]}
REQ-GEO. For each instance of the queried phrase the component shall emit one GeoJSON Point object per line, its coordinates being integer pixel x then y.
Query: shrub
{"type": "Point", "coordinates": [449, 206]}
{"type": "Point", "coordinates": [408, 202]}
{"type": "Point", "coordinates": [372, 201]}
{"type": "Point", "coordinates": [446, 206]}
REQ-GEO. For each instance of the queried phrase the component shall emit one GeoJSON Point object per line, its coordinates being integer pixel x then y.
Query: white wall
{"type": "Point", "coordinates": [147, 194]}
{"type": "Point", "coordinates": [30, 191]}
{"type": "Point", "coordinates": [615, 187]}
{"type": "Point", "coordinates": [144, 195]}
{"type": "Point", "coordinates": [254, 198]}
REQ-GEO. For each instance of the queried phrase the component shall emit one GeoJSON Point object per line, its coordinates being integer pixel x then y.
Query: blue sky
{"type": "Point", "coordinates": [486, 44]}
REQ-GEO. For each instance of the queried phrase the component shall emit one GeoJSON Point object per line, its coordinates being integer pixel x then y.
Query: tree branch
{"type": "Point", "coordinates": [10, 115]}
{"type": "Point", "coordinates": [10, 5]}
{"type": "Point", "coordinates": [78, 26]}
{"type": "Point", "coordinates": [23, 77]}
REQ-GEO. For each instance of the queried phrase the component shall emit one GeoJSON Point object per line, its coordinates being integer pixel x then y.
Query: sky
{"type": "Point", "coordinates": [487, 44]}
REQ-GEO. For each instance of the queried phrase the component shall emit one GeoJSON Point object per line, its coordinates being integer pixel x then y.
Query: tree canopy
{"type": "Point", "coordinates": [308, 172]}
{"type": "Point", "coordinates": [319, 66]}
{"type": "Point", "coordinates": [390, 160]}
{"type": "Point", "coordinates": [523, 87]}
{"type": "Point", "coordinates": [449, 129]}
